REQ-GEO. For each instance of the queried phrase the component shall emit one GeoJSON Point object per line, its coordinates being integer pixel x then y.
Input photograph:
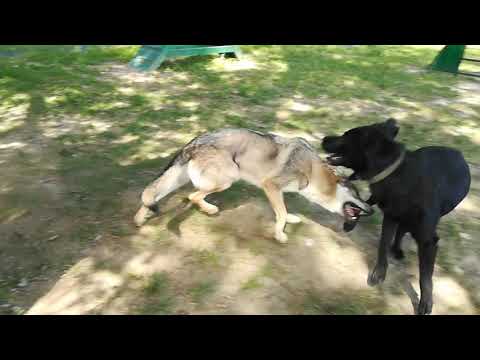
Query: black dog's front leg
{"type": "Point", "coordinates": [427, 251]}
{"type": "Point", "coordinates": [389, 228]}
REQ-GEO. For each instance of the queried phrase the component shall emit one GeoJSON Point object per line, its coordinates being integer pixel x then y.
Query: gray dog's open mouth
{"type": "Point", "coordinates": [351, 211]}
{"type": "Point", "coordinates": [352, 214]}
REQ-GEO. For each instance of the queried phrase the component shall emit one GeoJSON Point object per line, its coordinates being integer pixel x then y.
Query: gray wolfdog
{"type": "Point", "coordinates": [214, 161]}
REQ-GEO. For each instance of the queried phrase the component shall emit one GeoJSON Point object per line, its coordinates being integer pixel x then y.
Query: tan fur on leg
{"type": "Point", "coordinates": [143, 215]}
{"type": "Point", "coordinates": [198, 198]}
{"type": "Point", "coordinates": [275, 196]}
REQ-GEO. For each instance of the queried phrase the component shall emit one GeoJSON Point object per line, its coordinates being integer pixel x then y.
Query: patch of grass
{"type": "Point", "coordinates": [206, 258]}
{"type": "Point", "coordinates": [108, 135]}
{"type": "Point", "coordinates": [253, 283]}
{"type": "Point", "coordinates": [121, 230]}
{"type": "Point", "coordinates": [360, 303]}
{"type": "Point", "coordinates": [452, 247]}
{"type": "Point", "coordinates": [268, 270]}
{"type": "Point", "coordinates": [157, 283]}
{"type": "Point", "coordinates": [160, 306]}
{"type": "Point", "coordinates": [84, 233]}
{"type": "Point", "coordinates": [202, 290]}
{"type": "Point", "coordinates": [102, 264]}
{"type": "Point", "coordinates": [158, 300]}
{"type": "Point", "coordinates": [4, 294]}
{"type": "Point", "coordinates": [11, 214]}
{"type": "Point", "coordinates": [255, 248]}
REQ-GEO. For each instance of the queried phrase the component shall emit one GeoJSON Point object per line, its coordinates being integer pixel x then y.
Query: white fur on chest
{"type": "Point", "coordinates": [332, 204]}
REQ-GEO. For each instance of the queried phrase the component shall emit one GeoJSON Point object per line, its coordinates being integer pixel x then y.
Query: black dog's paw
{"type": "Point", "coordinates": [425, 307]}
{"type": "Point", "coordinates": [397, 253]}
{"type": "Point", "coordinates": [377, 276]}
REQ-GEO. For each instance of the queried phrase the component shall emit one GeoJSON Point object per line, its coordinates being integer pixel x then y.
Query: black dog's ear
{"type": "Point", "coordinates": [390, 128]}
{"type": "Point", "coordinates": [375, 145]}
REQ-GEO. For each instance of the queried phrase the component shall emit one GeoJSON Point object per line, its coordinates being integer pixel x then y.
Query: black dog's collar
{"type": "Point", "coordinates": [388, 171]}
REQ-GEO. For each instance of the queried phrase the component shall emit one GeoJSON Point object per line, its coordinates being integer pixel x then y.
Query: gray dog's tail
{"type": "Point", "coordinates": [170, 179]}
{"type": "Point", "coordinates": [173, 176]}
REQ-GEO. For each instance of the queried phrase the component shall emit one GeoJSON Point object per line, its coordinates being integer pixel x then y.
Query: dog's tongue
{"type": "Point", "coordinates": [352, 211]}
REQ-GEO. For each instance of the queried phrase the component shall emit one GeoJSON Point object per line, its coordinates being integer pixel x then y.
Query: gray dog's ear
{"type": "Point", "coordinates": [391, 128]}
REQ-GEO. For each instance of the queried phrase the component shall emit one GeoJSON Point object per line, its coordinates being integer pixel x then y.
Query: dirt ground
{"type": "Point", "coordinates": [68, 244]}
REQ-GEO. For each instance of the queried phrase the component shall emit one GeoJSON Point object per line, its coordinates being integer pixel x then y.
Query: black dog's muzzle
{"type": "Point", "coordinates": [333, 145]}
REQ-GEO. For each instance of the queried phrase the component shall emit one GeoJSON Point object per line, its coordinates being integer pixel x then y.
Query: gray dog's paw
{"type": "Point", "coordinates": [143, 215]}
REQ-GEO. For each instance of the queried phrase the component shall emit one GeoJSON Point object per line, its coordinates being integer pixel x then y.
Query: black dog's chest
{"type": "Point", "coordinates": [404, 206]}
{"type": "Point", "coordinates": [395, 209]}
{"type": "Point", "coordinates": [396, 204]}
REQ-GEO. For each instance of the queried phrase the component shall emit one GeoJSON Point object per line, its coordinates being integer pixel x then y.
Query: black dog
{"type": "Point", "coordinates": [414, 189]}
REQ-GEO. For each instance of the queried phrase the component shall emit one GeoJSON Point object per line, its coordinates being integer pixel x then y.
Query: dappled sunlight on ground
{"type": "Point", "coordinates": [450, 297]}
{"type": "Point", "coordinates": [126, 75]}
{"type": "Point", "coordinates": [470, 204]}
{"type": "Point", "coordinates": [148, 263]}
{"type": "Point", "coordinates": [74, 125]}
{"type": "Point", "coordinates": [262, 278]}
{"type": "Point", "coordinates": [224, 64]}
{"type": "Point", "coordinates": [243, 266]}
{"type": "Point", "coordinates": [12, 116]}
{"type": "Point", "coordinates": [12, 145]}
{"type": "Point", "coordinates": [79, 292]}
{"type": "Point", "coordinates": [472, 132]}
{"type": "Point", "coordinates": [334, 263]}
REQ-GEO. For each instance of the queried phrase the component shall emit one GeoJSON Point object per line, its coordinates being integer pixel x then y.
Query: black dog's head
{"type": "Point", "coordinates": [357, 146]}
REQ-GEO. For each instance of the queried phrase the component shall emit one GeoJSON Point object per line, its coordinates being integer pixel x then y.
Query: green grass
{"type": "Point", "coordinates": [252, 283]}
{"type": "Point", "coordinates": [365, 73]}
{"type": "Point", "coordinates": [160, 306]}
{"type": "Point", "coordinates": [269, 270]}
{"type": "Point", "coordinates": [156, 284]}
{"type": "Point", "coordinates": [343, 304]}
{"type": "Point", "coordinates": [206, 258]}
{"type": "Point", "coordinates": [159, 300]}
{"type": "Point", "coordinates": [4, 294]}
{"type": "Point", "coordinates": [202, 290]}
